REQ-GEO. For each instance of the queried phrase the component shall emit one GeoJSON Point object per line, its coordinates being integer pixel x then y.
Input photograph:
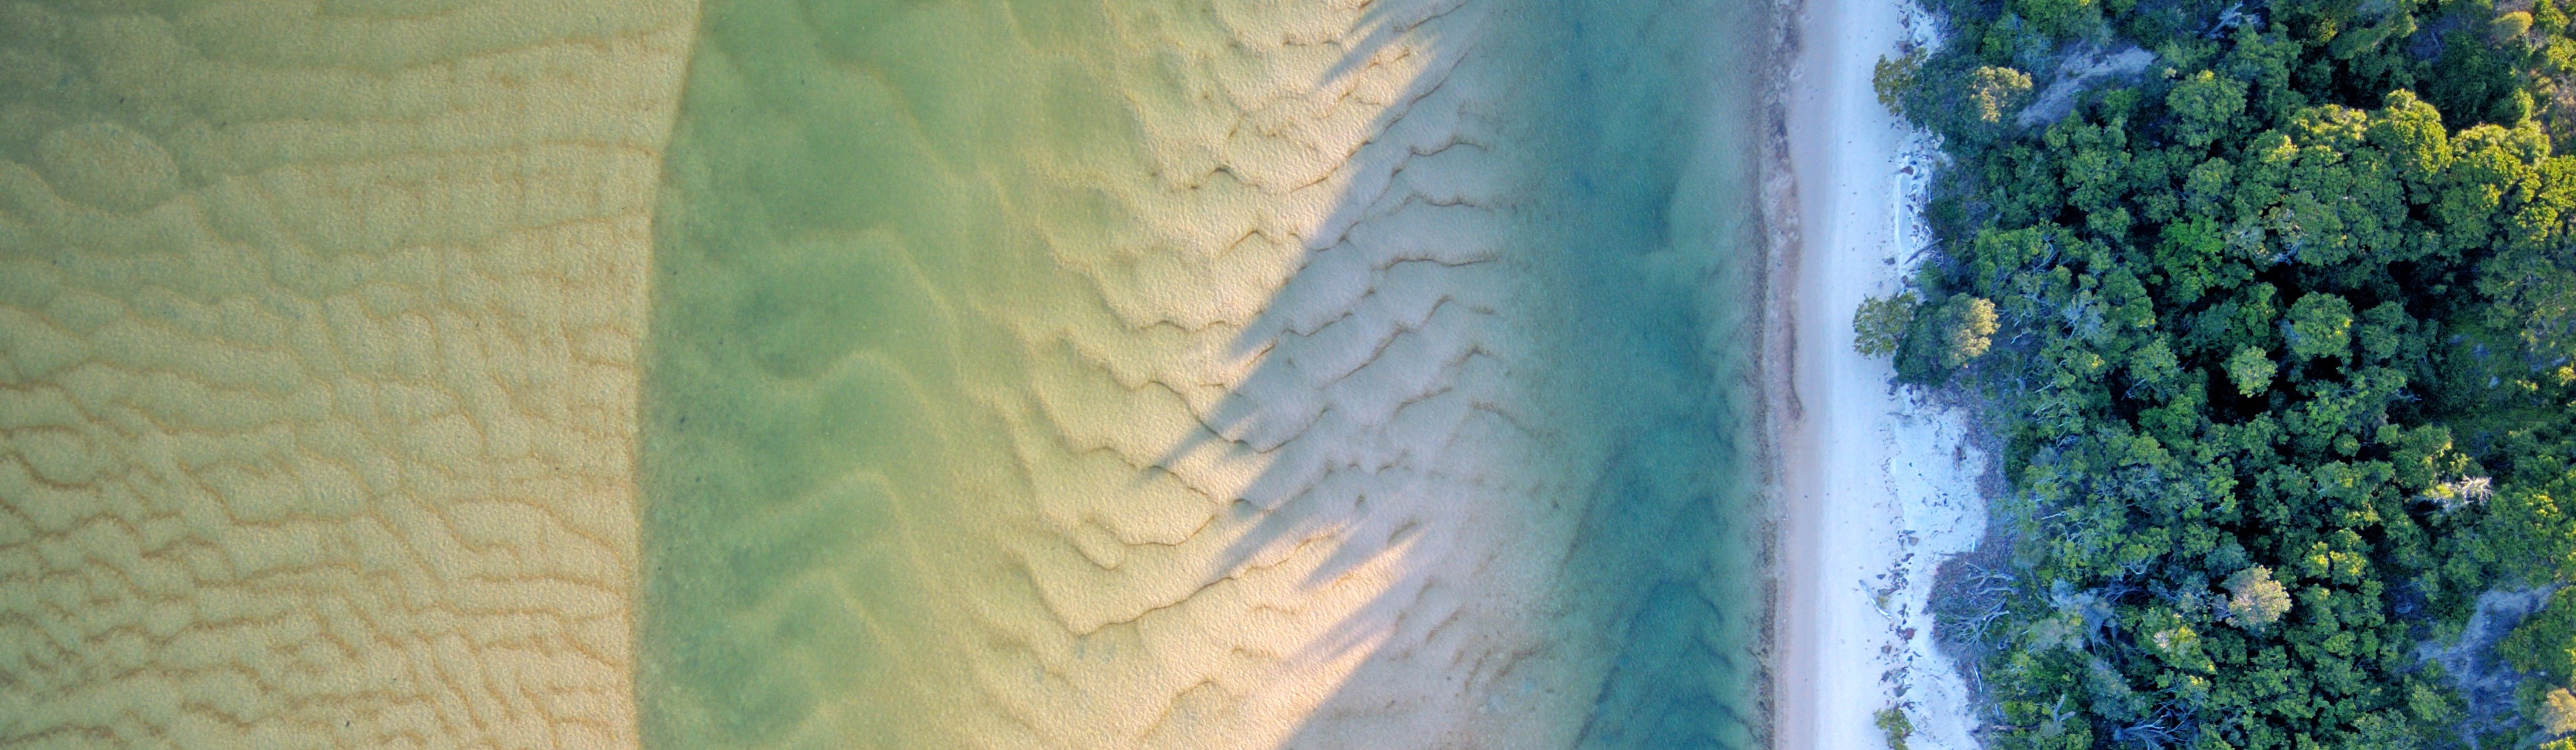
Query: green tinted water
{"type": "Point", "coordinates": [1158, 374]}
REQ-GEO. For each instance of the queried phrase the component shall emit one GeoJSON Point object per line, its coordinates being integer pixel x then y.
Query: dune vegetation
{"type": "Point", "coordinates": [2275, 336]}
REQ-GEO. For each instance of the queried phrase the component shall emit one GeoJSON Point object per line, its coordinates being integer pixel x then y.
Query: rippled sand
{"type": "Point", "coordinates": [1232, 375]}
{"type": "Point", "coordinates": [319, 328]}
{"type": "Point", "coordinates": [1135, 373]}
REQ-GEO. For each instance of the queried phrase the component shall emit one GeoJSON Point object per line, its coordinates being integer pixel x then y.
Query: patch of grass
{"type": "Point", "coordinates": [1892, 721]}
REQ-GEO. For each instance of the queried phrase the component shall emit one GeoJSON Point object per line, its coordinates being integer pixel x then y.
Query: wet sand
{"type": "Point", "coordinates": [1136, 374]}
{"type": "Point", "coordinates": [1140, 375]}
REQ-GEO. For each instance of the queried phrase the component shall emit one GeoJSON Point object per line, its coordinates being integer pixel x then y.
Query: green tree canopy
{"type": "Point", "coordinates": [2300, 293]}
{"type": "Point", "coordinates": [1968, 328]}
{"type": "Point", "coordinates": [2254, 599]}
{"type": "Point", "coordinates": [1997, 92]}
{"type": "Point", "coordinates": [2251, 369]}
{"type": "Point", "coordinates": [2320, 326]}
{"type": "Point", "coordinates": [1879, 326]}
{"type": "Point", "coordinates": [2205, 107]}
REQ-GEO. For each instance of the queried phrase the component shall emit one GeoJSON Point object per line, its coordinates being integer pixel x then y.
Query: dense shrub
{"type": "Point", "coordinates": [2278, 333]}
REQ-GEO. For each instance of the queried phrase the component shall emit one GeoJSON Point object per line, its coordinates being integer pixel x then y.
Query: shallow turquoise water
{"type": "Point", "coordinates": [1161, 374]}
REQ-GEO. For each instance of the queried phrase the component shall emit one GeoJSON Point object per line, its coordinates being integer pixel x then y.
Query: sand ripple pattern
{"type": "Point", "coordinates": [1166, 374]}
{"type": "Point", "coordinates": [319, 326]}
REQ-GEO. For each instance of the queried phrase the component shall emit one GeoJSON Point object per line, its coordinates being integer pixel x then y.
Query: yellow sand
{"type": "Point", "coordinates": [318, 331]}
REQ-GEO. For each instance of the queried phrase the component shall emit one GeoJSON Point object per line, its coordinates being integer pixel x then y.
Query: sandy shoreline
{"type": "Point", "coordinates": [1876, 486]}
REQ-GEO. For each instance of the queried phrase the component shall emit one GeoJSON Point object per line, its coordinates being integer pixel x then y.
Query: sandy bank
{"type": "Point", "coordinates": [318, 329]}
{"type": "Point", "coordinates": [1877, 486]}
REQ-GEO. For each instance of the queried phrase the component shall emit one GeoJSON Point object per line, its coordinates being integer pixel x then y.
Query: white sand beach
{"type": "Point", "coordinates": [1878, 486]}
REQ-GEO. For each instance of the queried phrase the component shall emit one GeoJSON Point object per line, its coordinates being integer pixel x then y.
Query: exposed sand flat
{"type": "Point", "coordinates": [319, 330]}
{"type": "Point", "coordinates": [1166, 375]}
{"type": "Point", "coordinates": [1880, 486]}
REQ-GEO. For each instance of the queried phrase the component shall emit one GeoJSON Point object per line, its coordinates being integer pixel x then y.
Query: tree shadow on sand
{"type": "Point", "coordinates": [1508, 383]}
{"type": "Point", "coordinates": [1593, 326]}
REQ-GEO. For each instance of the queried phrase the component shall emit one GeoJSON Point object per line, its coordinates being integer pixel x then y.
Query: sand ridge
{"type": "Point", "coordinates": [318, 337]}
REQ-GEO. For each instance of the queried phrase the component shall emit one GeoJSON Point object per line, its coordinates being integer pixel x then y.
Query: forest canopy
{"type": "Point", "coordinates": [2277, 335]}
